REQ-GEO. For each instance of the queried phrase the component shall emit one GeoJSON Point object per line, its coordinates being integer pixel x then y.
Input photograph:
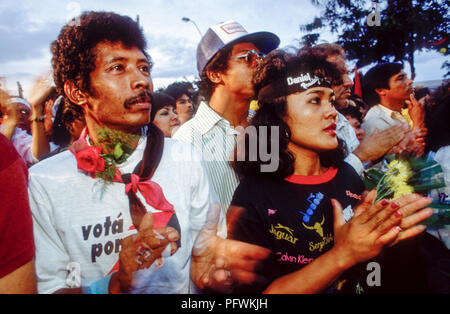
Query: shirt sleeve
{"type": "Point", "coordinates": [23, 142]}
{"type": "Point", "coordinates": [243, 219]}
{"type": "Point", "coordinates": [203, 197]}
{"type": "Point", "coordinates": [346, 133]}
{"type": "Point", "coordinates": [51, 256]}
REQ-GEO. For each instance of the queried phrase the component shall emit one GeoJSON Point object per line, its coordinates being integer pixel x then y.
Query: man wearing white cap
{"type": "Point", "coordinates": [226, 59]}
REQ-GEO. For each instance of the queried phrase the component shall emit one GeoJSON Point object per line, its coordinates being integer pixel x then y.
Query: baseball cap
{"type": "Point", "coordinates": [229, 33]}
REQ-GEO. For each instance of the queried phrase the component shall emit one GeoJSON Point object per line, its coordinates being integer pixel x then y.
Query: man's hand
{"type": "Point", "coordinates": [413, 143]}
{"type": "Point", "coordinates": [218, 264]}
{"type": "Point", "coordinates": [41, 89]}
{"type": "Point", "coordinates": [140, 251]}
{"type": "Point", "coordinates": [379, 143]}
{"type": "Point", "coordinates": [416, 112]}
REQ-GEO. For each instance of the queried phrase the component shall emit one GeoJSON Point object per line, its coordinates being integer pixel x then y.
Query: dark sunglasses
{"type": "Point", "coordinates": [251, 57]}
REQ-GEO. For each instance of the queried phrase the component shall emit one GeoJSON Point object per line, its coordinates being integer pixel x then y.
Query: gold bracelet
{"type": "Point", "coordinates": [38, 119]}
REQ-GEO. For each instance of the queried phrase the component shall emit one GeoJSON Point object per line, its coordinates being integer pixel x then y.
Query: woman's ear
{"type": "Point", "coordinates": [74, 94]}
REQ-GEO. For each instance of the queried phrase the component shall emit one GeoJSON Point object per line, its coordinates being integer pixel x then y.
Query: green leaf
{"type": "Point", "coordinates": [440, 218]}
{"type": "Point", "coordinates": [118, 151]}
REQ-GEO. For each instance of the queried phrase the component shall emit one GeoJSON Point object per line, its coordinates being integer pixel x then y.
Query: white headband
{"type": "Point", "coordinates": [18, 100]}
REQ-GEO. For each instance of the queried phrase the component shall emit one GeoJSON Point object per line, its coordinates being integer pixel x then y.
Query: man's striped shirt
{"type": "Point", "coordinates": [213, 136]}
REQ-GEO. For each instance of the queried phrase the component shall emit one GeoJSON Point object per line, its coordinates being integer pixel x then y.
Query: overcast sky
{"type": "Point", "coordinates": [27, 27]}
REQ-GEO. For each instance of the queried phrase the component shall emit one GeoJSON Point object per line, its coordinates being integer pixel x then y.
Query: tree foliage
{"type": "Point", "coordinates": [406, 26]}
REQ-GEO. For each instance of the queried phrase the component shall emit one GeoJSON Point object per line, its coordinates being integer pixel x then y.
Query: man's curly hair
{"type": "Point", "coordinates": [325, 50]}
{"type": "Point", "coordinates": [74, 49]}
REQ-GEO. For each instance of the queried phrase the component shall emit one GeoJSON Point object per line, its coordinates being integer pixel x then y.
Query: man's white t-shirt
{"type": "Point", "coordinates": [80, 221]}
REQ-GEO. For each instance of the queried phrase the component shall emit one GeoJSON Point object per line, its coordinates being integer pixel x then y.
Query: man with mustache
{"type": "Point", "coordinates": [126, 226]}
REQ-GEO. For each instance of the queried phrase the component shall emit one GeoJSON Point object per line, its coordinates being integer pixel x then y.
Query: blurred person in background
{"type": "Point", "coordinates": [15, 113]}
{"type": "Point", "coordinates": [354, 117]}
{"type": "Point", "coordinates": [164, 114]}
{"type": "Point", "coordinates": [422, 94]}
{"type": "Point", "coordinates": [438, 136]}
{"type": "Point", "coordinates": [67, 125]}
{"type": "Point", "coordinates": [183, 93]}
{"type": "Point", "coordinates": [388, 90]}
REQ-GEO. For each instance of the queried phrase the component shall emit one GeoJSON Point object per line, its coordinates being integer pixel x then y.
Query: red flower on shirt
{"type": "Point", "coordinates": [89, 160]}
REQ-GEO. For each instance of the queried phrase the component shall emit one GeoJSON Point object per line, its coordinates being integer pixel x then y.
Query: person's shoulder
{"type": "Point", "coordinates": [258, 183]}
{"type": "Point", "coordinates": [341, 117]}
{"type": "Point", "coordinates": [175, 144]}
{"type": "Point", "coordinates": [374, 119]}
{"type": "Point", "coordinates": [254, 190]}
{"type": "Point", "coordinates": [61, 164]}
{"type": "Point", "coordinates": [8, 152]}
{"type": "Point", "coordinates": [345, 168]}
{"type": "Point", "coordinates": [346, 173]}
{"type": "Point", "coordinates": [178, 151]}
{"type": "Point", "coordinates": [374, 112]}
{"type": "Point", "coordinates": [186, 130]}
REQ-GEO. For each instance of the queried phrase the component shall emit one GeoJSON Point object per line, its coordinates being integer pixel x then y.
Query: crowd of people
{"type": "Point", "coordinates": [248, 181]}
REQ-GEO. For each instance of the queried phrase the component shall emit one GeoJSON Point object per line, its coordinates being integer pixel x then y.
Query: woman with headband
{"type": "Point", "coordinates": [311, 211]}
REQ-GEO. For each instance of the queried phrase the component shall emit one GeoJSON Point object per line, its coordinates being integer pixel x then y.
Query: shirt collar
{"type": "Point", "coordinates": [341, 121]}
{"type": "Point", "coordinates": [386, 110]}
{"type": "Point", "coordinates": [136, 156]}
{"type": "Point", "coordinates": [392, 114]}
{"type": "Point", "coordinates": [206, 118]}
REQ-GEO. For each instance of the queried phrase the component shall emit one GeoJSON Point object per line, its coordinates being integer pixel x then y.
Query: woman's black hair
{"type": "Point", "coordinates": [378, 77]}
{"type": "Point", "coordinates": [352, 112]}
{"type": "Point", "coordinates": [272, 112]}
{"type": "Point", "coordinates": [65, 115]}
{"type": "Point", "coordinates": [160, 100]}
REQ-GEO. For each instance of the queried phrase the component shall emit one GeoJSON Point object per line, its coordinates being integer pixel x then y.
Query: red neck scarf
{"type": "Point", "coordinates": [139, 180]}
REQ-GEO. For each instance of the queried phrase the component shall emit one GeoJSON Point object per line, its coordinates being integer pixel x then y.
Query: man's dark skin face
{"type": "Point", "coordinates": [123, 87]}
